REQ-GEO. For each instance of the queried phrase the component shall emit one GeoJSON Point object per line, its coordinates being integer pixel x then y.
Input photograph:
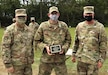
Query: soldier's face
{"type": "Point", "coordinates": [21, 19]}
{"type": "Point", "coordinates": [32, 20]}
{"type": "Point", "coordinates": [54, 16]}
{"type": "Point", "coordinates": [88, 16]}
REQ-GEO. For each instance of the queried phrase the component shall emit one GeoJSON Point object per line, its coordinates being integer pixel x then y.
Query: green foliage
{"type": "Point", "coordinates": [71, 11]}
{"type": "Point", "coordinates": [7, 10]}
{"type": "Point", "coordinates": [1, 34]}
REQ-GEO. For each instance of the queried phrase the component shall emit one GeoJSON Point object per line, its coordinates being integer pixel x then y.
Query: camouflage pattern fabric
{"type": "Point", "coordinates": [90, 43]}
{"type": "Point", "coordinates": [34, 26]}
{"type": "Point", "coordinates": [46, 68]}
{"type": "Point", "coordinates": [22, 70]}
{"type": "Point", "coordinates": [48, 34]}
{"type": "Point", "coordinates": [17, 46]}
{"type": "Point", "coordinates": [86, 69]}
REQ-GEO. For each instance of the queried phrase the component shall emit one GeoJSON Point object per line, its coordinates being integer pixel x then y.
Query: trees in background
{"type": "Point", "coordinates": [70, 10]}
{"type": "Point", "coordinates": [7, 9]}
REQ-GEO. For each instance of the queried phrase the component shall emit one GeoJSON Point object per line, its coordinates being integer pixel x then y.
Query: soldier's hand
{"type": "Point", "coordinates": [61, 52]}
{"type": "Point", "coordinates": [10, 69]}
{"type": "Point", "coordinates": [48, 50]}
{"type": "Point", "coordinates": [32, 61]}
{"type": "Point", "coordinates": [99, 64]}
{"type": "Point", "coordinates": [73, 59]}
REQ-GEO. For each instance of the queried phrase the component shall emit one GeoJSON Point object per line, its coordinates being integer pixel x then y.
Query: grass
{"type": "Point", "coordinates": [1, 33]}
{"type": "Point", "coordinates": [71, 66]}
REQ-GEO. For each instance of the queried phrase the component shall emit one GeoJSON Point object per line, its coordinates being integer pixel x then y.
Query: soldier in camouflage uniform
{"type": "Point", "coordinates": [90, 44]}
{"type": "Point", "coordinates": [50, 33]}
{"type": "Point", "coordinates": [33, 25]}
{"type": "Point", "coordinates": [17, 46]}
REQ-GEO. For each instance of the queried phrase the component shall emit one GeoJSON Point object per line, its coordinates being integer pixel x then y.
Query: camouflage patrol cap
{"type": "Point", "coordinates": [88, 9]}
{"type": "Point", "coordinates": [53, 8]}
{"type": "Point", "coordinates": [32, 18]}
{"type": "Point", "coordinates": [20, 12]}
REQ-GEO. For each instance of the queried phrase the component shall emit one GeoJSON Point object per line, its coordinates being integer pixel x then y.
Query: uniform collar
{"type": "Point", "coordinates": [58, 24]}
{"type": "Point", "coordinates": [20, 29]}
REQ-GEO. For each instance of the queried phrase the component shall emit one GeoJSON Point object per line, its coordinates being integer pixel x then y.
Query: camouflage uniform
{"type": "Point", "coordinates": [17, 49]}
{"type": "Point", "coordinates": [34, 26]}
{"type": "Point", "coordinates": [90, 46]}
{"type": "Point", "coordinates": [48, 34]}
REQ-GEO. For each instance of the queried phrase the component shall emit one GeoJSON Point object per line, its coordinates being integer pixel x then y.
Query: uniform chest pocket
{"type": "Point", "coordinates": [28, 39]}
{"type": "Point", "coordinates": [48, 33]}
{"type": "Point", "coordinates": [17, 39]}
{"type": "Point", "coordinates": [83, 32]}
{"type": "Point", "coordinates": [62, 33]}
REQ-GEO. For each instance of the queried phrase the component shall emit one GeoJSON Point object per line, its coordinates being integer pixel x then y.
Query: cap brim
{"type": "Point", "coordinates": [21, 14]}
{"type": "Point", "coordinates": [88, 12]}
{"type": "Point", "coordinates": [53, 11]}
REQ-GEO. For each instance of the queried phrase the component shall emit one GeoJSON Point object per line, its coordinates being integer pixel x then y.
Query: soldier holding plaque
{"type": "Point", "coordinates": [53, 38]}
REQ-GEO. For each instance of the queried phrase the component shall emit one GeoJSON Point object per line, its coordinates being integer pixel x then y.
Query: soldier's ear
{"type": "Point", "coordinates": [59, 14]}
{"type": "Point", "coordinates": [48, 14]}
